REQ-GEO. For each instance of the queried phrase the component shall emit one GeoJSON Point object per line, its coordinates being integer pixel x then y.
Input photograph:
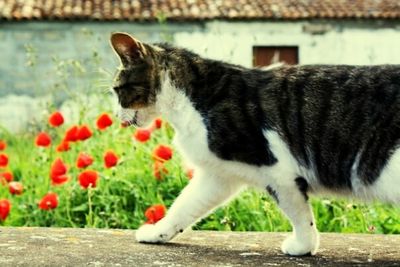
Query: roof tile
{"type": "Point", "coordinates": [197, 9]}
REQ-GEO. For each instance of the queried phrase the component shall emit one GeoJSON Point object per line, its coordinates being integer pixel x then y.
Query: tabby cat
{"type": "Point", "coordinates": [290, 130]}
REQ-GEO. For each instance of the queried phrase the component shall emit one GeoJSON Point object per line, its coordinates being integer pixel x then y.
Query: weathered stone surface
{"type": "Point", "coordinates": [100, 247]}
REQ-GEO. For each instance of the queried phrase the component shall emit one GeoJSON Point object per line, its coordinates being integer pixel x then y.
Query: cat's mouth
{"type": "Point", "coordinates": [132, 121]}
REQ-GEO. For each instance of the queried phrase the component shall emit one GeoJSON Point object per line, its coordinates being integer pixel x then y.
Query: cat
{"type": "Point", "coordinates": [289, 130]}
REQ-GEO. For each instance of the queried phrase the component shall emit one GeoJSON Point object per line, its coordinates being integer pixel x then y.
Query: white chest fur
{"type": "Point", "coordinates": [190, 133]}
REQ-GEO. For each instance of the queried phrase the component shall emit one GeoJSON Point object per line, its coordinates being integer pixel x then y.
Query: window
{"type": "Point", "coordinates": [267, 55]}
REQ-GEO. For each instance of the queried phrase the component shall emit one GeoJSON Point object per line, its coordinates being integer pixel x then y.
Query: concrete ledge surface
{"type": "Point", "coordinates": [106, 247]}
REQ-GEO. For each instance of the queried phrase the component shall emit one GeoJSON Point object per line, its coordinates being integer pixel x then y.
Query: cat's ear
{"type": "Point", "coordinates": [128, 48]}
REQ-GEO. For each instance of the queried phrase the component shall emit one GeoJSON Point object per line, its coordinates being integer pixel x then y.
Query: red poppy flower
{"type": "Point", "coordinates": [189, 173]}
{"type": "Point", "coordinates": [155, 213]}
{"type": "Point", "coordinates": [158, 123]}
{"type": "Point", "coordinates": [3, 160]}
{"type": "Point", "coordinates": [159, 170]}
{"type": "Point", "coordinates": [5, 207]}
{"type": "Point", "coordinates": [63, 146]}
{"type": "Point", "coordinates": [84, 160]}
{"type": "Point", "coordinates": [3, 145]}
{"type": "Point", "coordinates": [162, 153]}
{"type": "Point", "coordinates": [7, 176]}
{"type": "Point", "coordinates": [103, 121]}
{"type": "Point", "coordinates": [58, 167]}
{"type": "Point", "coordinates": [43, 139]}
{"type": "Point", "coordinates": [142, 135]}
{"type": "Point", "coordinates": [15, 188]}
{"type": "Point", "coordinates": [84, 133]}
{"type": "Point", "coordinates": [49, 201]}
{"type": "Point", "coordinates": [88, 178]}
{"type": "Point", "coordinates": [56, 119]}
{"type": "Point", "coordinates": [60, 179]}
{"type": "Point", "coordinates": [110, 159]}
{"type": "Point", "coordinates": [58, 172]}
{"type": "Point", "coordinates": [71, 134]}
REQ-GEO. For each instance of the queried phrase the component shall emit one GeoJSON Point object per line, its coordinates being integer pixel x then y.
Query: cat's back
{"type": "Point", "coordinates": [335, 78]}
{"type": "Point", "coordinates": [340, 121]}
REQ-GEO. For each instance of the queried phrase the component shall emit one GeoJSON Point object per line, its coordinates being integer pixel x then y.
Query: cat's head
{"type": "Point", "coordinates": [137, 81]}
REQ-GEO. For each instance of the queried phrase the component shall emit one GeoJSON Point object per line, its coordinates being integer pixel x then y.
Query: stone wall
{"type": "Point", "coordinates": [24, 246]}
{"type": "Point", "coordinates": [53, 48]}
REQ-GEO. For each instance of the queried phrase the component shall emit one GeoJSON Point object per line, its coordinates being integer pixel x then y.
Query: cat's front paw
{"type": "Point", "coordinates": [296, 247]}
{"type": "Point", "coordinates": [153, 233]}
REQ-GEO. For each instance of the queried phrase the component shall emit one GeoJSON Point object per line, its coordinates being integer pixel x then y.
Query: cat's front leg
{"type": "Point", "coordinates": [293, 200]}
{"type": "Point", "coordinates": [203, 193]}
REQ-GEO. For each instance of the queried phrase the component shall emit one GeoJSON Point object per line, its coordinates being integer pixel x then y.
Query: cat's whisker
{"type": "Point", "coordinates": [107, 91]}
{"type": "Point", "coordinates": [103, 71]}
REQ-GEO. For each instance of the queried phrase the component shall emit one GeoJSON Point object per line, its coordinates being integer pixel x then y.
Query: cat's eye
{"type": "Point", "coordinates": [128, 86]}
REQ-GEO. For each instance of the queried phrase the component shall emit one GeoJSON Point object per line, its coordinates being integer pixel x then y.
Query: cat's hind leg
{"type": "Point", "coordinates": [204, 192]}
{"type": "Point", "coordinates": [293, 200]}
{"type": "Point", "coordinates": [290, 191]}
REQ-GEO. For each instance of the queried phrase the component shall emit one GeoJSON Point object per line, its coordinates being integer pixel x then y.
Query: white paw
{"type": "Point", "coordinates": [297, 247]}
{"type": "Point", "coordinates": [153, 233]}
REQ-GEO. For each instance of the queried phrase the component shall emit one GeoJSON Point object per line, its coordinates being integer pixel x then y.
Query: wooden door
{"type": "Point", "coordinates": [267, 55]}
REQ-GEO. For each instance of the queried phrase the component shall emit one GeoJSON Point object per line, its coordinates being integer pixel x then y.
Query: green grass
{"type": "Point", "coordinates": [125, 191]}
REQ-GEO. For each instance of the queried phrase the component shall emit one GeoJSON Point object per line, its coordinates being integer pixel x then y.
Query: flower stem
{"type": "Point", "coordinates": [68, 208]}
{"type": "Point", "coordinates": [90, 219]}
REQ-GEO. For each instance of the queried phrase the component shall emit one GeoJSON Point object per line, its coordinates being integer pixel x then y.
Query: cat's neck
{"type": "Point", "coordinates": [175, 106]}
{"type": "Point", "coordinates": [193, 74]}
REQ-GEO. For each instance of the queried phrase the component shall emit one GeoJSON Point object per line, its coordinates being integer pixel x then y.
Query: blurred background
{"type": "Point", "coordinates": [45, 43]}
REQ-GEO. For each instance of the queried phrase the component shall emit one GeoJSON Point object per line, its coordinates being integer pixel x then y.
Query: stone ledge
{"type": "Point", "coordinates": [105, 247]}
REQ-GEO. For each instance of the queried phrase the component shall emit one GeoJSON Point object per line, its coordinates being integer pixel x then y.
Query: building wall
{"type": "Point", "coordinates": [319, 42]}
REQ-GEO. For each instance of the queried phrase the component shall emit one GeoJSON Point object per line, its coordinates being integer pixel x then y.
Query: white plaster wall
{"type": "Point", "coordinates": [350, 43]}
